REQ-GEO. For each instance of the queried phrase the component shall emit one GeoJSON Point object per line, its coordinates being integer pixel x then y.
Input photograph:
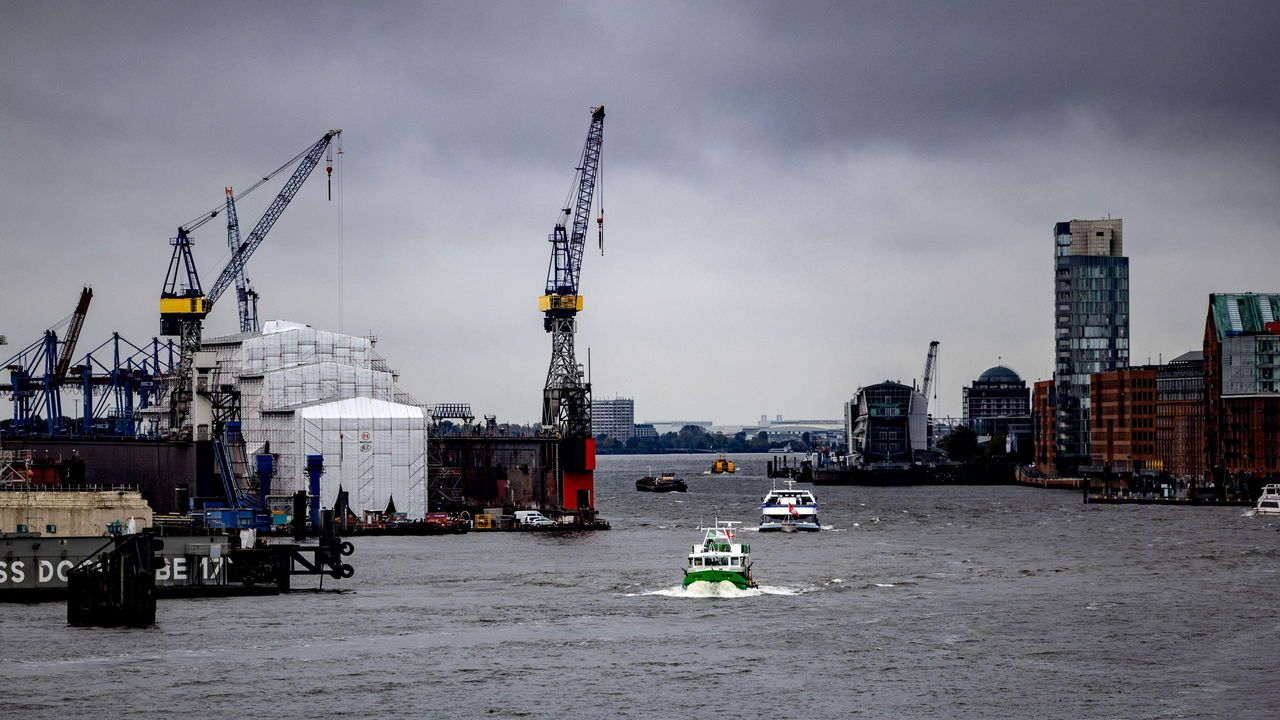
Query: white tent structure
{"type": "Point", "coordinates": [312, 392]}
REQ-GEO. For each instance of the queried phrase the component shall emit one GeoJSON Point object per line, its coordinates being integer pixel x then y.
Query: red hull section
{"type": "Point", "coordinates": [579, 490]}
{"type": "Point", "coordinates": [578, 486]}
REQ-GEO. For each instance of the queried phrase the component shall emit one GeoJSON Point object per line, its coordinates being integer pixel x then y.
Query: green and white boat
{"type": "Point", "coordinates": [719, 558]}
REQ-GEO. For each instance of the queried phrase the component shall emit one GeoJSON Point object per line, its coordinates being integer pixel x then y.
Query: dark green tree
{"type": "Point", "coordinates": [961, 445]}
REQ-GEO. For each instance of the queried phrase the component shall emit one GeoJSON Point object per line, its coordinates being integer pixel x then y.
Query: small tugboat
{"type": "Point", "coordinates": [666, 482]}
{"type": "Point", "coordinates": [788, 509]}
{"type": "Point", "coordinates": [1269, 501]}
{"type": "Point", "coordinates": [720, 559]}
{"type": "Point", "coordinates": [722, 464]}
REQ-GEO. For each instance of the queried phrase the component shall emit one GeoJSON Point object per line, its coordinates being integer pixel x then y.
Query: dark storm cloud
{"type": "Point", "coordinates": [783, 77]}
{"type": "Point", "coordinates": [795, 166]}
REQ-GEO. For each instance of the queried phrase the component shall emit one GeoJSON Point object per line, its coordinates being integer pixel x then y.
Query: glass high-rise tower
{"type": "Point", "coordinates": [1091, 324]}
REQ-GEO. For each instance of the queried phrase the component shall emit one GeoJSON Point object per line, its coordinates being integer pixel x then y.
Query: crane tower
{"type": "Point", "coordinates": [566, 397]}
{"type": "Point", "coordinates": [184, 304]}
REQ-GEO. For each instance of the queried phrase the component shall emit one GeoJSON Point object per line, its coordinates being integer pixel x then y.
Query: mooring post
{"type": "Point", "coordinates": [315, 468]}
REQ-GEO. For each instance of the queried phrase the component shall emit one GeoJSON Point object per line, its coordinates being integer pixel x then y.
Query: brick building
{"type": "Point", "coordinates": [1122, 421]}
{"type": "Point", "coordinates": [1044, 427]}
{"type": "Point", "coordinates": [1242, 388]}
{"type": "Point", "coordinates": [1180, 407]}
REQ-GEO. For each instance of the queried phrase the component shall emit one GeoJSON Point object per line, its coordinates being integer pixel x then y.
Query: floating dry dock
{"type": "Point", "coordinates": [35, 568]}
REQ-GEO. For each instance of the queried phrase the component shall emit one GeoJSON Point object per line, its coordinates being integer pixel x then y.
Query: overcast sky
{"type": "Point", "coordinates": [799, 195]}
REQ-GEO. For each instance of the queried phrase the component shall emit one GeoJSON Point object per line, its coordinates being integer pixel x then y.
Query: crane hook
{"type": "Point", "coordinates": [328, 169]}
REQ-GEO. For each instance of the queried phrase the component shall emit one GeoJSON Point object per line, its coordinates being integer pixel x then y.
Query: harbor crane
{"type": "Point", "coordinates": [926, 384]}
{"type": "Point", "coordinates": [566, 397]}
{"type": "Point", "coordinates": [73, 336]}
{"type": "Point", "coordinates": [183, 302]}
{"type": "Point", "coordinates": [246, 296]}
{"type": "Point", "coordinates": [37, 391]}
{"type": "Point", "coordinates": [930, 363]}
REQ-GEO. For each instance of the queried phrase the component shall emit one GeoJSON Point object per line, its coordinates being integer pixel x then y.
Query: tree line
{"type": "Point", "coordinates": [693, 438]}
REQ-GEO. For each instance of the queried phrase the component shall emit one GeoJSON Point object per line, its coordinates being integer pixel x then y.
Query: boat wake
{"type": "Point", "coordinates": [722, 589]}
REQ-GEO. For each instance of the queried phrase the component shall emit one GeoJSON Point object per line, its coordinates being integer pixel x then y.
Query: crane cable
{"type": "Point", "coordinates": [206, 217]}
{"type": "Point", "coordinates": [600, 190]}
{"type": "Point", "coordinates": [341, 232]}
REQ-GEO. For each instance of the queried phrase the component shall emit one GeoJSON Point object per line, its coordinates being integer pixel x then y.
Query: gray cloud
{"type": "Point", "coordinates": [800, 195]}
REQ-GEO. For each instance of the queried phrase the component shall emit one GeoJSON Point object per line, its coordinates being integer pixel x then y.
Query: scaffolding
{"type": "Point", "coordinates": [305, 392]}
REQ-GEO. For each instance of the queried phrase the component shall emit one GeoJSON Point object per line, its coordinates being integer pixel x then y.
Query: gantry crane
{"type": "Point", "coordinates": [566, 397]}
{"type": "Point", "coordinates": [184, 304]}
{"type": "Point", "coordinates": [36, 392]}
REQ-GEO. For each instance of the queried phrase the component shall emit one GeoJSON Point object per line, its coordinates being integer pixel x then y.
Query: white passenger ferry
{"type": "Point", "coordinates": [788, 509]}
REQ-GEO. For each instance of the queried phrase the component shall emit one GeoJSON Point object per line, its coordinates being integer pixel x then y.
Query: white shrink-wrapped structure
{"type": "Point", "coordinates": [307, 392]}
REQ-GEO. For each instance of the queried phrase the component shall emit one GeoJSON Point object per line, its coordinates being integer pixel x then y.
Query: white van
{"type": "Point", "coordinates": [532, 517]}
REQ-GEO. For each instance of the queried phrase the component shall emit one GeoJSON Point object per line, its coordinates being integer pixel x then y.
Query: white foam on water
{"type": "Point", "coordinates": [1251, 512]}
{"type": "Point", "coordinates": [722, 589]}
{"type": "Point", "coordinates": [884, 584]}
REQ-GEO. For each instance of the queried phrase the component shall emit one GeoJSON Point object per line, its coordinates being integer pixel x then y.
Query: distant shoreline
{"type": "Point", "coordinates": [673, 451]}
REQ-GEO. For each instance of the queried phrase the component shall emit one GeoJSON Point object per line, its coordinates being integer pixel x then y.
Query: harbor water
{"type": "Point", "coordinates": [918, 602]}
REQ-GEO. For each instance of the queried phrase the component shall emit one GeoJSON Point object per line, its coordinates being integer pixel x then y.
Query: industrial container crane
{"type": "Point", "coordinates": [35, 392]}
{"type": "Point", "coordinates": [184, 304]}
{"type": "Point", "coordinates": [566, 397]}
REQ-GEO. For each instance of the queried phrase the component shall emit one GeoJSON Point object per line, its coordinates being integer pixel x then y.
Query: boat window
{"type": "Point", "coordinates": [1271, 504]}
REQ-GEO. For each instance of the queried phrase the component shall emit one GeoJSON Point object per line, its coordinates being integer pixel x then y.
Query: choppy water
{"type": "Point", "coordinates": [964, 602]}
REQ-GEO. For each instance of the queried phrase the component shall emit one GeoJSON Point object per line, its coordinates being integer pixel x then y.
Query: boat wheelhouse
{"type": "Point", "coordinates": [1269, 501]}
{"type": "Point", "coordinates": [720, 558]}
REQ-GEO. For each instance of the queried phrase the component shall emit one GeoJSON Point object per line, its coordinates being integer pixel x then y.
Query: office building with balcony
{"type": "Point", "coordinates": [1091, 325]}
{"type": "Point", "coordinates": [887, 424]}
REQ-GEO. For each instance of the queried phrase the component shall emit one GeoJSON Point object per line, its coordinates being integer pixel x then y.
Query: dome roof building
{"type": "Point", "coordinates": [997, 402]}
{"type": "Point", "coordinates": [1000, 374]}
